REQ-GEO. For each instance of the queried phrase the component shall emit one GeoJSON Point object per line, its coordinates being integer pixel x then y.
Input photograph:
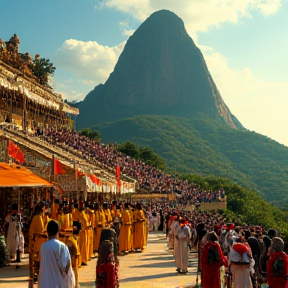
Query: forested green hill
{"type": "Point", "coordinates": [207, 146]}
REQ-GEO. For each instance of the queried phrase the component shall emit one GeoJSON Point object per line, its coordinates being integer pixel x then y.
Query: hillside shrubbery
{"type": "Point", "coordinates": [205, 146]}
{"type": "Point", "coordinates": [145, 154]}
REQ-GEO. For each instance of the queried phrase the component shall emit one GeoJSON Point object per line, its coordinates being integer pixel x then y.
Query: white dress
{"type": "Point", "coordinates": [15, 239]}
{"type": "Point", "coordinates": [181, 250]}
{"type": "Point", "coordinates": [241, 273]}
{"type": "Point", "coordinates": [171, 234]}
{"type": "Point", "coordinates": [54, 256]}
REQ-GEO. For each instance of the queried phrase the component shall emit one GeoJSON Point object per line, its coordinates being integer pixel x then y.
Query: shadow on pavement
{"type": "Point", "coordinates": [12, 281]}
{"type": "Point", "coordinates": [10, 272]}
{"type": "Point", "coordinates": [146, 277]}
{"type": "Point", "coordinates": [157, 265]}
{"type": "Point", "coordinates": [87, 284]}
{"type": "Point", "coordinates": [158, 241]}
{"type": "Point", "coordinates": [157, 258]}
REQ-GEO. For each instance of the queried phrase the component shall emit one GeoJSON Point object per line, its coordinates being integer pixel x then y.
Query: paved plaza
{"type": "Point", "coordinates": [154, 267]}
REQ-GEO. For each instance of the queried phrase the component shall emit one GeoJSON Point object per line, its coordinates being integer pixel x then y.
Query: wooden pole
{"type": "Point", "coordinates": [31, 267]}
{"type": "Point", "coordinates": [76, 183]}
{"type": "Point", "coordinates": [52, 169]}
{"type": "Point", "coordinates": [31, 270]}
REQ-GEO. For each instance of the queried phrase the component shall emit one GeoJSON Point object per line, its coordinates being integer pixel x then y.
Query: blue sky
{"type": "Point", "coordinates": [244, 42]}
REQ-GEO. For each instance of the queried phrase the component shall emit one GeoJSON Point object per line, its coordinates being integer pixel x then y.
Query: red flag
{"type": "Point", "coordinates": [58, 168]}
{"type": "Point", "coordinates": [12, 149]}
{"type": "Point", "coordinates": [118, 172]}
{"type": "Point", "coordinates": [78, 173]}
{"type": "Point", "coordinates": [95, 180]}
{"type": "Point", "coordinates": [20, 156]}
{"type": "Point", "coordinates": [15, 152]}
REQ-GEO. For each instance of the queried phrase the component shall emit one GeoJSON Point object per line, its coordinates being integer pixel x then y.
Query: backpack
{"type": "Point", "coordinates": [278, 268]}
{"type": "Point", "coordinates": [278, 265]}
{"type": "Point", "coordinates": [213, 255]}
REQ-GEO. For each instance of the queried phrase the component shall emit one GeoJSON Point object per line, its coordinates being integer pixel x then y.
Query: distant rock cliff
{"type": "Point", "coordinates": [160, 72]}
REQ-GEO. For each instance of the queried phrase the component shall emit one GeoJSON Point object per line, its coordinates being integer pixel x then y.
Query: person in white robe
{"type": "Point", "coordinates": [15, 238]}
{"type": "Point", "coordinates": [241, 269]}
{"type": "Point", "coordinates": [150, 220]}
{"type": "Point", "coordinates": [55, 262]}
{"type": "Point", "coordinates": [171, 233]}
{"type": "Point", "coordinates": [157, 222]}
{"type": "Point", "coordinates": [181, 246]}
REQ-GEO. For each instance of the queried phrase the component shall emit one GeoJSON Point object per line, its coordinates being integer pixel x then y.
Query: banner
{"type": "Point", "coordinates": [78, 173]}
{"type": "Point", "coordinates": [118, 172]}
{"type": "Point", "coordinates": [15, 152]}
{"type": "Point", "coordinates": [95, 180]}
{"type": "Point", "coordinates": [58, 168]}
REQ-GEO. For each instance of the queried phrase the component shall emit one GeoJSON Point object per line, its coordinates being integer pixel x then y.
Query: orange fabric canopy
{"type": "Point", "coordinates": [17, 176]}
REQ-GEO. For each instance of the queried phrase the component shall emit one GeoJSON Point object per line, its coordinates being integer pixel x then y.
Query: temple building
{"type": "Point", "coordinates": [29, 105]}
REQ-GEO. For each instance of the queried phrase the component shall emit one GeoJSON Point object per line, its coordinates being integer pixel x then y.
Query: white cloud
{"type": "Point", "coordinates": [124, 27]}
{"type": "Point", "coordinates": [70, 89]}
{"type": "Point", "coordinates": [260, 106]}
{"type": "Point", "coordinates": [88, 60]}
{"type": "Point", "coordinates": [269, 7]}
{"type": "Point", "coordinates": [197, 15]}
{"type": "Point", "coordinates": [140, 9]}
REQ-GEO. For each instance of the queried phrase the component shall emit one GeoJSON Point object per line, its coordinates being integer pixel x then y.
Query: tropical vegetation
{"type": "Point", "coordinates": [38, 68]}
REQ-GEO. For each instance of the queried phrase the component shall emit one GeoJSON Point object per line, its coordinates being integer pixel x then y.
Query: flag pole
{"type": "Point", "coordinates": [53, 169]}
{"type": "Point", "coordinates": [76, 176]}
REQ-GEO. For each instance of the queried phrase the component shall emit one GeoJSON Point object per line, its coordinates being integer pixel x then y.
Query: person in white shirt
{"type": "Point", "coordinates": [55, 261]}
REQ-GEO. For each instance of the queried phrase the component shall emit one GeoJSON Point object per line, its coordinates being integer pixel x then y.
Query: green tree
{"type": "Point", "coordinates": [91, 134]}
{"type": "Point", "coordinates": [150, 157]}
{"type": "Point", "coordinates": [129, 148]}
{"type": "Point", "coordinates": [95, 135]}
{"type": "Point", "coordinates": [42, 69]}
{"type": "Point", "coordinates": [85, 132]}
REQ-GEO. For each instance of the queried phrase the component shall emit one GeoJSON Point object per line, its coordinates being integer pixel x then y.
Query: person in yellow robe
{"type": "Point", "coordinates": [132, 226]}
{"type": "Point", "coordinates": [95, 224]}
{"type": "Point", "coordinates": [107, 214]}
{"type": "Point", "coordinates": [60, 220]}
{"type": "Point", "coordinates": [100, 223]}
{"type": "Point", "coordinates": [125, 231]}
{"type": "Point", "coordinates": [75, 212]}
{"type": "Point", "coordinates": [139, 233]}
{"type": "Point", "coordinates": [116, 216]}
{"type": "Point", "coordinates": [72, 244]}
{"type": "Point", "coordinates": [36, 227]}
{"type": "Point", "coordinates": [90, 219]}
{"type": "Point", "coordinates": [67, 219]}
{"type": "Point", "coordinates": [46, 218]}
{"type": "Point", "coordinates": [60, 216]}
{"type": "Point", "coordinates": [83, 237]}
{"type": "Point", "coordinates": [75, 217]}
{"type": "Point", "coordinates": [55, 209]}
{"type": "Point", "coordinates": [36, 238]}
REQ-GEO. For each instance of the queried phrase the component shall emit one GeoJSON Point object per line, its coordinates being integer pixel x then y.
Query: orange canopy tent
{"type": "Point", "coordinates": [17, 176]}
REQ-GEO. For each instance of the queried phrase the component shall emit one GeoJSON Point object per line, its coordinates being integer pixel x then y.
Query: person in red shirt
{"type": "Point", "coordinates": [277, 265]}
{"type": "Point", "coordinates": [212, 260]}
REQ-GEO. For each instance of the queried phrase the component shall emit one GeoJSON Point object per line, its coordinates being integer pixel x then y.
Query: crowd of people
{"type": "Point", "coordinates": [80, 228]}
{"type": "Point", "coordinates": [244, 256]}
{"type": "Point", "coordinates": [228, 255]}
{"type": "Point", "coordinates": [148, 177]}
{"type": "Point", "coordinates": [239, 256]}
